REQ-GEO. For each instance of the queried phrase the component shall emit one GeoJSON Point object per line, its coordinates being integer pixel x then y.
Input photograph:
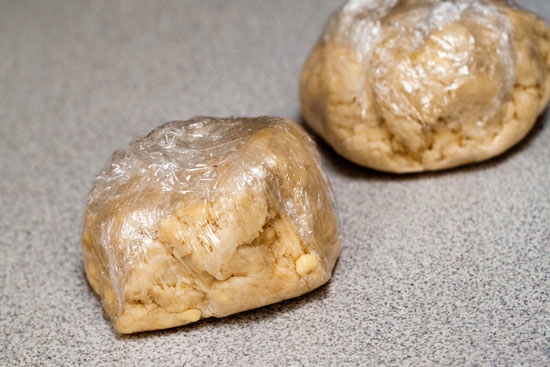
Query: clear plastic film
{"type": "Point", "coordinates": [208, 217]}
{"type": "Point", "coordinates": [417, 77]}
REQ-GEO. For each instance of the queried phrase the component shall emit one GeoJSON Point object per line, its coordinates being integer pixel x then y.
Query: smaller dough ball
{"type": "Point", "coordinates": [414, 85]}
{"type": "Point", "coordinates": [209, 217]}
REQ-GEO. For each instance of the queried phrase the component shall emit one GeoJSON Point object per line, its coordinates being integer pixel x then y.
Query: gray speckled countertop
{"type": "Point", "coordinates": [436, 269]}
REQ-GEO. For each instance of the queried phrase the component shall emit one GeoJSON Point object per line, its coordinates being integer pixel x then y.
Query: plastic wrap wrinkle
{"type": "Point", "coordinates": [208, 217]}
{"type": "Point", "coordinates": [396, 30]}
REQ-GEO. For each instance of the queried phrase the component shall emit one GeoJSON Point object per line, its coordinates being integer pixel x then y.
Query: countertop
{"type": "Point", "coordinates": [439, 268]}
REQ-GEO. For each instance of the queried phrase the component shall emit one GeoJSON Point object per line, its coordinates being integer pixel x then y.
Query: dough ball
{"type": "Point", "coordinates": [414, 85]}
{"type": "Point", "coordinates": [209, 217]}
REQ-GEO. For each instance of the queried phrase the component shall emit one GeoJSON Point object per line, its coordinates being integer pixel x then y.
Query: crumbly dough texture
{"type": "Point", "coordinates": [209, 217]}
{"type": "Point", "coordinates": [414, 85]}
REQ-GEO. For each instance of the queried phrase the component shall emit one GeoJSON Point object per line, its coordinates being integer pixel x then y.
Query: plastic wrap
{"type": "Point", "coordinates": [208, 217]}
{"type": "Point", "coordinates": [408, 85]}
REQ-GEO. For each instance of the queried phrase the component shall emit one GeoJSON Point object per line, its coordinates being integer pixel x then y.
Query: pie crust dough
{"type": "Point", "coordinates": [414, 85]}
{"type": "Point", "coordinates": [209, 217]}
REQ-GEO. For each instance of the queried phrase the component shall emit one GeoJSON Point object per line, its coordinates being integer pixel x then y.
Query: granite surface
{"type": "Point", "coordinates": [436, 269]}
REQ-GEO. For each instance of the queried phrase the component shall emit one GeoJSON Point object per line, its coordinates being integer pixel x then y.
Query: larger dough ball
{"type": "Point", "coordinates": [209, 217]}
{"type": "Point", "coordinates": [413, 85]}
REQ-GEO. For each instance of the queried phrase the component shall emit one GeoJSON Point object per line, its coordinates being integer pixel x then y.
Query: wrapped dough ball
{"type": "Point", "coordinates": [414, 85]}
{"type": "Point", "coordinates": [209, 217]}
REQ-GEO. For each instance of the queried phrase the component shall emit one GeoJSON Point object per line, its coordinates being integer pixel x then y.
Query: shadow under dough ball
{"type": "Point", "coordinates": [414, 85]}
{"type": "Point", "coordinates": [208, 217]}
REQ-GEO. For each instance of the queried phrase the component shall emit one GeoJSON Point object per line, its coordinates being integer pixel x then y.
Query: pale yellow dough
{"type": "Point", "coordinates": [394, 107]}
{"type": "Point", "coordinates": [263, 230]}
